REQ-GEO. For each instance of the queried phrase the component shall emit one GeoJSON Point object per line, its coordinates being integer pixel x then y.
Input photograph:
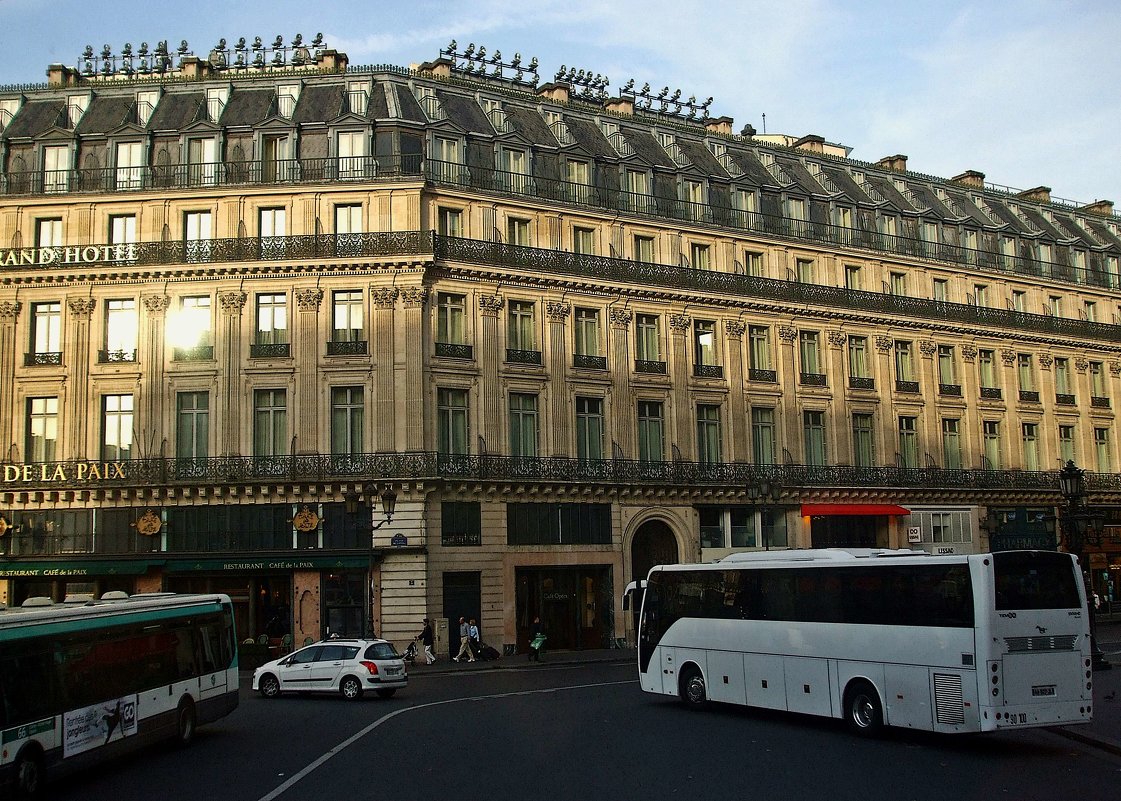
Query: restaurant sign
{"type": "Point", "coordinates": [49, 473]}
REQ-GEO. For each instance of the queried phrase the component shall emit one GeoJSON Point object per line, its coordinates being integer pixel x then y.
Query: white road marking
{"type": "Point", "coordinates": [283, 788]}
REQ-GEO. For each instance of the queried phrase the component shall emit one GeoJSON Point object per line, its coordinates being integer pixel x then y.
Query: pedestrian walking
{"type": "Point", "coordinates": [427, 638]}
{"type": "Point", "coordinates": [473, 638]}
{"type": "Point", "coordinates": [464, 642]}
{"type": "Point", "coordinates": [536, 640]}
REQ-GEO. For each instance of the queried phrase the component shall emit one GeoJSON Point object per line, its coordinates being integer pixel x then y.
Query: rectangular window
{"type": "Point", "coordinates": [908, 442]}
{"type": "Point", "coordinates": [272, 229]}
{"type": "Point", "coordinates": [347, 312]}
{"type": "Point", "coordinates": [587, 332]}
{"type": "Point", "coordinates": [352, 154]}
{"type": "Point", "coordinates": [753, 263]}
{"type": "Point", "coordinates": [1030, 434]}
{"type": "Point", "coordinates": [940, 290]}
{"type": "Point", "coordinates": [191, 326]}
{"type": "Point", "coordinates": [520, 328]}
{"type": "Point", "coordinates": [813, 436]}
{"type": "Point", "coordinates": [647, 347]}
{"type": "Point", "coordinates": [858, 357]}
{"type": "Point", "coordinates": [853, 279]}
{"type": "Point", "coordinates": [116, 427]}
{"type": "Point", "coordinates": [197, 235]}
{"type": "Point", "coordinates": [121, 330]}
{"type": "Point", "coordinates": [515, 168]}
{"type": "Point", "coordinates": [898, 285]}
{"type": "Point", "coordinates": [276, 159]}
{"type": "Point", "coordinates": [46, 328]}
{"type": "Point", "coordinates": [270, 422]}
{"type": "Point", "coordinates": [650, 431]}
{"type": "Point", "coordinates": [48, 232]}
{"type": "Point", "coordinates": [1089, 311]}
{"type": "Point", "coordinates": [759, 337]}
{"type": "Point", "coordinates": [1024, 372]}
{"type": "Point", "coordinates": [863, 442]}
{"type": "Point", "coordinates": [192, 425]}
{"type": "Point", "coordinates": [449, 221]}
{"type": "Point", "coordinates": [130, 165]}
{"type": "Point", "coordinates": [810, 352]}
{"type": "Point", "coordinates": [986, 367]}
{"type": "Point", "coordinates": [56, 168]}
{"type": "Point", "coordinates": [992, 450]}
{"type": "Point", "coordinates": [579, 176]}
{"type": "Point", "coordinates": [348, 221]}
{"type": "Point", "coordinates": [644, 249]}
{"type": "Point", "coordinates": [202, 161]}
{"type": "Point", "coordinates": [743, 200]}
{"type": "Point", "coordinates": [699, 256]}
{"type": "Point", "coordinates": [347, 420]}
{"type": "Point", "coordinates": [589, 428]}
{"type": "Point", "coordinates": [447, 150]}
{"type": "Point", "coordinates": [763, 435]}
{"type": "Point", "coordinates": [584, 240]}
{"type": "Point", "coordinates": [704, 342]}
{"type": "Point", "coordinates": [1097, 380]}
{"type": "Point", "coordinates": [1019, 300]}
{"type": "Point", "coordinates": [523, 424]}
{"type": "Point", "coordinates": [804, 271]}
{"type": "Point", "coordinates": [708, 434]}
{"type": "Point", "coordinates": [947, 375]}
{"type": "Point", "coordinates": [122, 229]}
{"type": "Point", "coordinates": [558, 524]}
{"type": "Point", "coordinates": [1101, 450]}
{"type": "Point", "coordinates": [517, 231]}
{"type": "Point", "coordinates": [42, 430]}
{"type": "Point", "coordinates": [460, 523]}
{"type": "Point", "coordinates": [951, 443]}
{"type": "Point", "coordinates": [1066, 444]}
{"type": "Point", "coordinates": [1062, 376]}
{"type": "Point", "coordinates": [451, 318]}
{"type": "Point", "coordinates": [1054, 306]}
{"type": "Point", "coordinates": [980, 295]}
{"type": "Point", "coordinates": [451, 414]}
{"type": "Point", "coordinates": [904, 366]}
{"type": "Point", "coordinates": [272, 320]}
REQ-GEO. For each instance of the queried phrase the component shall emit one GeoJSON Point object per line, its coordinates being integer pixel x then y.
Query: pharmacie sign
{"type": "Point", "coordinates": [49, 473]}
{"type": "Point", "coordinates": [79, 254]}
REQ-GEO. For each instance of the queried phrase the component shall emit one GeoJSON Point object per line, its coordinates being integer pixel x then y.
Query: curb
{"type": "Point", "coordinates": [1104, 743]}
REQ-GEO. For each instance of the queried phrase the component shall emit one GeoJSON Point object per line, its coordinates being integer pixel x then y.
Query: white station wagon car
{"type": "Point", "coordinates": [349, 667]}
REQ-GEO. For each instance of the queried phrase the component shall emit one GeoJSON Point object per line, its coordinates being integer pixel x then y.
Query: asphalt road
{"type": "Point", "coordinates": [578, 732]}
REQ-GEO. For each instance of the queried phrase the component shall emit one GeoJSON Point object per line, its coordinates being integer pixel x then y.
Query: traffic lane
{"type": "Point", "coordinates": [614, 741]}
{"type": "Point", "coordinates": [265, 741]}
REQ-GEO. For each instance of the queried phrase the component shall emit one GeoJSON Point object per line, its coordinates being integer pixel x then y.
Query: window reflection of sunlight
{"type": "Point", "coordinates": [188, 328]}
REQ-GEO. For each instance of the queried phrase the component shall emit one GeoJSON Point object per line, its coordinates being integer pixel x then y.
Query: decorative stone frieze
{"type": "Point", "coordinates": [1046, 360]}
{"type": "Point", "coordinates": [557, 312]}
{"type": "Point", "coordinates": [837, 339]}
{"type": "Point", "coordinates": [884, 344]}
{"type": "Point", "coordinates": [1115, 369]}
{"type": "Point", "coordinates": [308, 300]}
{"type": "Point", "coordinates": [81, 308]}
{"type": "Point", "coordinates": [679, 323]}
{"type": "Point", "coordinates": [968, 353]}
{"type": "Point", "coordinates": [620, 318]}
{"type": "Point", "coordinates": [384, 297]}
{"type": "Point", "coordinates": [414, 297]}
{"type": "Point", "coordinates": [157, 304]}
{"type": "Point", "coordinates": [927, 349]}
{"type": "Point", "coordinates": [1008, 357]}
{"type": "Point", "coordinates": [491, 305]}
{"type": "Point", "coordinates": [787, 334]}
{"type": "Point", "coordinates": [734, 328]}
{"type": "Point", "coordinates": [232, 302]}
{"type": "Point", "coordinates": [1081, 364]}
{"type": "Point", "coordinates": [9, 310]}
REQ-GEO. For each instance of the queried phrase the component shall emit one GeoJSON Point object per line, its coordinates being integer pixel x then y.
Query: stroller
{"type": "Point", "coordinates": [410, 653]}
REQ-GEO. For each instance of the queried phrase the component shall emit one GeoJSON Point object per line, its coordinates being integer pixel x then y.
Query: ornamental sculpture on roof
{"type": "Point", "coordinates": [475, 63]}
{"type": "Point", "coordinates": [242, 56]}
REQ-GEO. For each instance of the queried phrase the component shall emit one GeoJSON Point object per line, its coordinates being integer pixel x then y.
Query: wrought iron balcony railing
{"type": "Point", "coordinates": [1029, 396]}
{"type": "Point", "coordinates": [452, 350]}
{"type": "Point", "coordinates": [270, 350]}
{"type": "Point", "coordinates": [763, 376]}
{"type": "Point", "coordinates": [358, 347]}
{"type": "Point", "coordinates": [861, 382]}
{"type": "Point", "coordinates": [906, 386]}
{"type": "Point", "coordinates": [42, 358]}
{"type": "Point", "coordinates": [950, 390]}
{"type": "Point", "coordinates": [645, 366]}
{"type": "Point", "coordinates": [517, 356]}
{"type": "Point", "coordinates": [991, 393]}
{"type": "Point", "coordinates": [118, 355]}
{"type": "Point", "coordinates": [812, 379]}
{"type": "Point", "coordinates": [708, 370]}
{"type": "Point", "coordinates": [585, 362]}
{"type": "Point", "coordinates": [1099, 402]}
{"type": "Point", "coordinates": [199, 353]}
{"type": "Point", "coordinates": [1063, 399]}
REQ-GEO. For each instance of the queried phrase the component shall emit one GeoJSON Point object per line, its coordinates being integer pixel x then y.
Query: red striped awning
{"type": "Point", "coordinates": [828, 509]}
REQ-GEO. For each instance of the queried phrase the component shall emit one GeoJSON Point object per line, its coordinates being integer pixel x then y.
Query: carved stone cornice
{"type": "Point", "coordinates": [620, 318]}
{"type": "Point", "coordinates": [384, 297]}
{"type": "Point", "coordinates": [9, 310]}
{"type": "Point", "coordinates": [679, 323]}
{"type": "Point", "coordinates": [414, 297]}
{"type": "Point", "coordinates": [81, 308]}
{"type": "Point", "coordinates": [157, 304]}
{"type": "Point", "coordinates": [557, 312]}
{"type": "Point", "coordinates": [308, 300]}
{"type": "Point", "coordinates": [491, 305]}
{"type": "Point", "coordinates": [735, 329]}
{"type": "Point", "coordinates": [232, 302]}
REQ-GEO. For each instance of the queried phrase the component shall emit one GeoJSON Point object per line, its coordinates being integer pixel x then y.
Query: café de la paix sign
{"type": "Point", "coordinates": [43, 473]}
{"type": "Point", "coordinates": [69, 255]}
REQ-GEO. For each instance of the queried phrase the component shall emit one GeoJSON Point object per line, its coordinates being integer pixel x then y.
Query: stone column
{"type": "Point", "coordinates": [1010, 451]}
{"type": "Point", "coordinates": [622, 408]}
{"type": "Point", "coordinates": [229, 342]}
{"type": "Point", "coordinates": [155, 377]}
{"type": "Point", "coordinates": [679, 366]}
{"type": "Point", "coordinates": [842, 424]}
{"type": "Point", "coordinates": [414, 339]}
{"type": "Point", "coordinates": [490, 391]}
{"type": "Point", "coordinates": [791, 425]}
{"type": "Point", "coordinates": [562, 421]}
{"type": "Point", "coordinates": [83, 411]}
{"type": "Point", "coordinates": [930, 381]}
{"type": "Point", "coordinates": [305, 406]}
{"type": "Point", "coordinates": [384, 347]}
{"type": "Point", "coordinates": [9, 350]}
{"type": "Point", "coordinates": [737, 424]}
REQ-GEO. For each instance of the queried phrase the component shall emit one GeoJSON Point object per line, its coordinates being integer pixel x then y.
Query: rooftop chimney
{"type": "Point", "coordinates": [559, 92]}
{"type": "Point", "coordinates": [1040, 194]}
{"type": "Point", "coordinates": [719, 125]}
{"type": "Point", "coordinates": [811, 142]}
{"type": "Point", "coordinates": [896, 163]}
{"type": "Point", "coordinates": [441, 67]}
{"type": "Point", "coordinates": [619, 105]}
{"type": "Point", "coordinates": [970, 178]}
{"type": "Point", "coordinates": [61, 75]}
{"type": "Point", "coordinates": [1099, 207]}
{"type": "Point", "coordinates": [332, 60]}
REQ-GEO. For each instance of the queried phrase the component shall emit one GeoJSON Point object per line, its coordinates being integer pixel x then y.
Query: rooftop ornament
{"type": "Point", "coordinates": [590, 87]}
{"type": "Point", "coordinates": [671, 105]}
{"type": "Point", "coordinates": [242, 56]}
{"type": "Point", "coordinates": [476, 64]}
{"type": "Point", "coordinates": [142, 61]}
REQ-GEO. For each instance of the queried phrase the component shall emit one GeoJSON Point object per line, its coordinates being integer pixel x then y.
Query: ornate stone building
{"type": "Point", "coordinates": [246, 295]}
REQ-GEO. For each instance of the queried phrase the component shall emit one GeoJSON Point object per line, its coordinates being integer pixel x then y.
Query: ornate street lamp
{"type": "Point", "coordinates": [763, 494]}
{"type": "Point", "coordinates": [1081, 527]}
{"type": "Point", "coordinates": [388, 500]}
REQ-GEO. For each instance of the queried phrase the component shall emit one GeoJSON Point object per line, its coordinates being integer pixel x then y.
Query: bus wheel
{"type": "Point", "coordinates": [693, 691]}
{"type": "Point", "coordinates": [269, 686]}
{"type": "Point", "coordinates": [863, 712]}
{"type": "Point", "coordinates": [185, 722]}
{"type": "Point", "coordinates": [29, 775]}
{"type": "Point", "coordinates": [351, 688]}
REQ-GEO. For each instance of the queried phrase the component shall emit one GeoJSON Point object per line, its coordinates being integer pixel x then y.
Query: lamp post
{"type": "Point", "coordinates": [762, 494]}
{"type": "Point", "coordinates": [1081, 527]}
{"type": "Point", "coordinates": [388, 500]}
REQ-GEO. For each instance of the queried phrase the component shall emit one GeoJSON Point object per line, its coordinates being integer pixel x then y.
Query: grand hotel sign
{"type": "Point", "coordinates": [66, 256]}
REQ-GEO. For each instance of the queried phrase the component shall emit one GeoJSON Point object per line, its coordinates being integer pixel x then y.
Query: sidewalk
{"type": "Point", "coordinates": [1104, 731]}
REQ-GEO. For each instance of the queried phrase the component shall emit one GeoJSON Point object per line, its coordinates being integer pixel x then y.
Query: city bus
{"type": "Point", "coordinates": [958, 643]}
{"type": "Point", "coordinates": [84, 682]}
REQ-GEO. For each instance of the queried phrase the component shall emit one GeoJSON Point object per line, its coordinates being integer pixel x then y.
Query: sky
{"type": "Point", "coordinates": [1025, 91]}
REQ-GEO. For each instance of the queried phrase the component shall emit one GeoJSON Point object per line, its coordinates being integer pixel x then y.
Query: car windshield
{"type": "Point", "coordinates": [381, 650]}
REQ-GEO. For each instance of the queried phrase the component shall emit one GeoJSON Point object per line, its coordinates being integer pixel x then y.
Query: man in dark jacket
{"type": "Point", "coordinates": [427, 638]}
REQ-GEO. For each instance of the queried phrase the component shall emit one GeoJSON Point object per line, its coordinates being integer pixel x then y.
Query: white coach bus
{"type": "Point", "coordinates": [82, 683]}
{"type": "Point", "coordinates": [876, 637]}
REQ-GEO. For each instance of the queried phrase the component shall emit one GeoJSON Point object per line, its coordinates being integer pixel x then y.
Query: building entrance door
{"type": "Point", "coordinates": [463, 597]}
{"type": "Point", "coordinates": [575, 604]}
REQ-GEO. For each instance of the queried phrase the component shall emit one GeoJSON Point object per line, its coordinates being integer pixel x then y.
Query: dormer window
{"type": "Point", "coordinates": [145, 106]}
{"type": "Point", "coordinates": [56, 168]}
{"type": "Point", "coordinates": [352, 154]}
{"type": "Point", "coordinates": [357, 97]}
{"type": "Point", "coordinates": [130, 165]}
{"type": "Point", "coordinates": [75, 107]}
{"type": "Point", "coordinates": [286, 97]}
{"type": "Point", "coordinates": [202, 162]}
{"type": "Point", "coordinates": [426, 96]}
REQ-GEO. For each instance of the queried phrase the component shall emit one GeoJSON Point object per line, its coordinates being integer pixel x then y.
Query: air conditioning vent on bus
{"type": "Point", "coordinates": [114, 595]}
{"type": "Point", "coordinates": [949, 707]}
{"type": "Point", "coordinates": [38, 600]}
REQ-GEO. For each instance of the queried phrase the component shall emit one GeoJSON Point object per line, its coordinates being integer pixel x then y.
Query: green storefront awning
{"type": "Point", "coordinates": [74, 568]}
{"type": "Point", "coordinates": [244, 565]}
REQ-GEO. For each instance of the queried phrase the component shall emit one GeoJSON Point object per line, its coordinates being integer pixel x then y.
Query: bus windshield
{"type": "Point", "coordinates": [1034, 580]}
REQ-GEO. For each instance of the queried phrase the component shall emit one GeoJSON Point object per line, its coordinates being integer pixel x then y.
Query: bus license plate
{"type": "Point", "coordinates": [1043, 691]}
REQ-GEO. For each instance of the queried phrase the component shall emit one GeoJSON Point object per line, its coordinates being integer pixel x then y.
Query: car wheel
{"type": "Point", "coordinates": [269, 686]}
{"type": "Point", "coordinates": [186, 722]}
{"type": "Point", "coordinates": [351, 688]}
{"type": "Point", "coordinates": [30, 774]}
{"type": "Point", "coordinates": [386, 692]}
{"type": "Point", "coordinates": [693, 690]}
{"type": "Point", "coordinates": [863, 712]}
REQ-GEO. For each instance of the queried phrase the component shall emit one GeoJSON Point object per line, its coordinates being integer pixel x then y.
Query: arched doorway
{"type": "Point", "coordinates": [653, 544]}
